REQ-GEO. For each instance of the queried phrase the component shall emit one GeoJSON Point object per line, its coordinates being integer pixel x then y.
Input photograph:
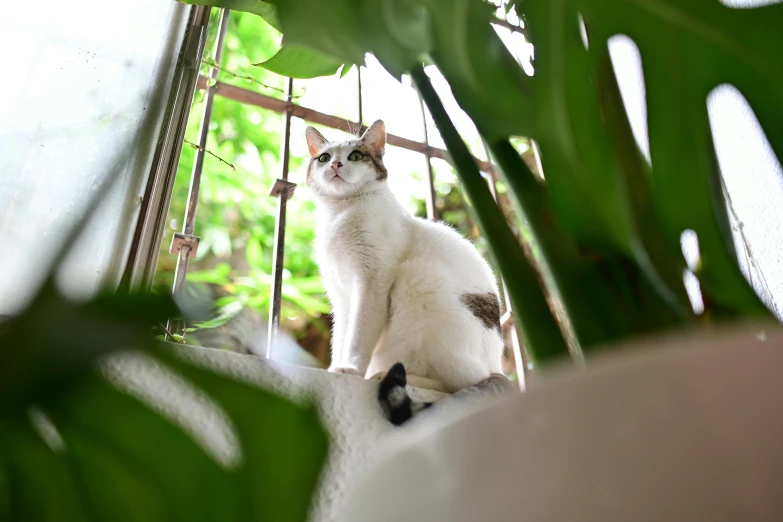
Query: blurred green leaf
{"type": "Point", "coordinates": [224, 314]}
{"type": "Point", "coordinates": [301, 62]}
{"type": "Point", "coordinates": [334, 27]}
{"type": "Point", "coordinates": [266, 10]}
{"type": "Point", "coordinates": [253, 252]}
{"type": "Point", "coordinates": [307, 303]}
{"type": "Point", "coordinates": [397, 31]}
{"type": "Point", "coordinates": [687, 49]}
{"type": "Point", "coordinates": [485, 78]}
{"type": "Point", "coordinates": [53, 342]}
{"type": "Point", "coordinates": [73, 447]}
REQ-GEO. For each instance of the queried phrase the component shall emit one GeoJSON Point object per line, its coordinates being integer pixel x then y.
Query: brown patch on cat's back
{"type": "Point", "coordinates": [486, 308]}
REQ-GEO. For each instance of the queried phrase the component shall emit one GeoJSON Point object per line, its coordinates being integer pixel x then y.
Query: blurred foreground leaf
{"type": "Point", "coordinates": [75, 447]}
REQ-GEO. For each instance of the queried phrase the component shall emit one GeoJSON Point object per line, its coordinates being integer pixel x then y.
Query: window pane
{"type": "Point", "coordinates": [85, 74]}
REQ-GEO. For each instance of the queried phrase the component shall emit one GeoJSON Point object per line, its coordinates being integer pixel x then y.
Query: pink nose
{"type": "Point", "coordinates": [336, 165]}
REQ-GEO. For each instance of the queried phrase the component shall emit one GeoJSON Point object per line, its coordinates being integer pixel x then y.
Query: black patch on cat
{"type": "Point", "coordinates": [486, 307]}
{"type": "Point", "coordinates": [393, 396]}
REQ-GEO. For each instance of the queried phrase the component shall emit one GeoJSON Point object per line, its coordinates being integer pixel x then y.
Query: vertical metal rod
{"type": "Point", "coordinates": [145, 246]}
{"type": "Point", "coordinates": [186, 244]}
{"type": "Point", "coordinates": [203, 132]}
{"type": "Point", "coordinates": [519, 357]}
{"type": "Point", "coordinates": [432, 210]}
{"type": "Point", "coordinates": [359, 77]}
{"type": "Point", "coordinates": [279, 251]}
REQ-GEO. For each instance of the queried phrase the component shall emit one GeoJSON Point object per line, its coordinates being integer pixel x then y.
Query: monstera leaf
{"type": "Point", "coordinates": [687, 49]}
{"type": "Point", "coordinates": [73, 446]}
{"type": "Point", "coordinates": [301, 62]}
{"type": "Point", "coordinates": [266, 10]}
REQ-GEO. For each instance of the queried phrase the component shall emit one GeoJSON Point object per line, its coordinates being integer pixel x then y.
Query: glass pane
{"type": "Point", "coordinates": [85, 75]}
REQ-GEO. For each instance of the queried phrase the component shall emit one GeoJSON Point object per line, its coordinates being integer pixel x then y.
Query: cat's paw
{"type": "Point", "coordinates": [346, 370]}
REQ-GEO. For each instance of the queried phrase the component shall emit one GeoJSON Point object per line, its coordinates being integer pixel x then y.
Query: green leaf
{"type": "Point", "coordinates": [333, 27]}
{"type": "Point", "coordinates": [40, 479]}
{"type": "Point", "coordinates": [52, 343]}
{"type": "Point", "coordinates": [107, 438]}
{"type": "Point", "coordinates": [254, 252]}
{"type": "Point", "coordinates": [266, 10]}
{"type": "Point", "coordinates": [486, 80]}
{"type": "Point", "coordinates": [98, 454]}
{"type": "Point", "coordinates": [301, 62]}
{"type": "Point", "coordinates": [397, 31]}
{"type": "Point", "coordinates": [225, 314]}
{"type": "Point", "coordinates": [220, 275]}
{"type": "Point", "coordinates": [687, 49]}
{"type": "Point", "coordinates": [309, 304]}
{"type": "Point", "coordinates": [283, 450]}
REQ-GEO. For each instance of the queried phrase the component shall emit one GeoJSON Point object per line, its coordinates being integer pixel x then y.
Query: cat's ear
{"type": "Point", "coordinates": [375, 137]}
{"type": "Point", "coordinates": [315, 141]}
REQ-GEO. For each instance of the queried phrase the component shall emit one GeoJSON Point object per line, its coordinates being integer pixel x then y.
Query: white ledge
{"type": "Point", "coordinates": [347, 404]}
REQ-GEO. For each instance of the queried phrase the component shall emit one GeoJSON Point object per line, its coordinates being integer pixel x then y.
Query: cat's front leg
{"type": "Point", "coordinates": [367, 316]}
{"type": "Point", "coordinates": [340, 314]}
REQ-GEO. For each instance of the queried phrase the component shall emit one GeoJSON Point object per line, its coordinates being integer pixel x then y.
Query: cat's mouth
{"type": "Point", "coordinates": [337, 179]}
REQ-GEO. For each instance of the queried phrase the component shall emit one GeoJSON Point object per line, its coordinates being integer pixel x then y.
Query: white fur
{"type": "Point", "coordinates": [395, 280]}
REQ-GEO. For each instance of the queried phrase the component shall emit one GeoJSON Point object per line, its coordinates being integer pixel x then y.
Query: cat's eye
{"type": "Point", "coordinates": [323, 158]}
{"type": "Point", "coordinates": [355, 156]}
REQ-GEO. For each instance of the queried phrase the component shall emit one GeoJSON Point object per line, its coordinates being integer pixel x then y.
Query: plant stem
{"type": "Point", "coordinates": [534, 320]}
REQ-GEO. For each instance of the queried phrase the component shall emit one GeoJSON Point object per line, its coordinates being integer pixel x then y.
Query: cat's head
{"type": "Point", "coordinates": [345, 168]}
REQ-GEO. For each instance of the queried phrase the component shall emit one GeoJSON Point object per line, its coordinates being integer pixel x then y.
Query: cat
{"type": "Point", "coordinates": [403, 289]}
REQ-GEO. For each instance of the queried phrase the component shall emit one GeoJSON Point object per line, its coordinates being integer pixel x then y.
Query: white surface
{"type": "Point", "coordinates": [348, 407]}
{"type": "Point", "coordinates": [688, 430]}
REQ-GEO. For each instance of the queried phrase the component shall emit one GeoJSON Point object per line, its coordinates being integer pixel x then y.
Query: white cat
{"type": "Point", "coordinates": [402, 289]}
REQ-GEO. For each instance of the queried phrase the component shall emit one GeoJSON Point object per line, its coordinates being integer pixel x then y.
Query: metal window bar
{"type": "Point", "coordinates": [147, 237]}
{"type": "Point", "coordinates": [282, 189]}
{"type": "Point", "coordinates": [185, 243]}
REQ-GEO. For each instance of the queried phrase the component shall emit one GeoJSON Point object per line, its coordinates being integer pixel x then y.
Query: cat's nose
{"type": "Point", "coordinates": [336, 165]}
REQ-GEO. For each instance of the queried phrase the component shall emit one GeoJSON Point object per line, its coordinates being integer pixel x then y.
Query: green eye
{"type": "Point", "coordinates": [355, 156]}
{"type": "Point", "coordinates": [323, 158]}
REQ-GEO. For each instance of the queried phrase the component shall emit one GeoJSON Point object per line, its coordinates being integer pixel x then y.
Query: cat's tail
{"type": "Point", "coordinates": [398, 406]}
{"type": "Point", "coordinates": [394, 399]}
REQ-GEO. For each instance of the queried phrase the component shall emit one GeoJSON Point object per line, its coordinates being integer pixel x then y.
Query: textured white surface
{"type": "Point", "coordinates": [347, 404]}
